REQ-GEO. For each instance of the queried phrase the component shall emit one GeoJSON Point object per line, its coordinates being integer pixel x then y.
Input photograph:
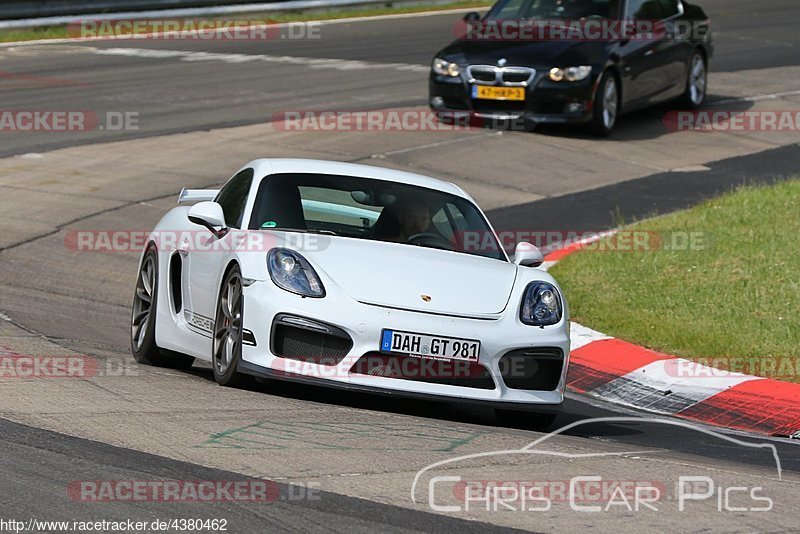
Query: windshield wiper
{"type": "Point", "coordinates": [319, 231]}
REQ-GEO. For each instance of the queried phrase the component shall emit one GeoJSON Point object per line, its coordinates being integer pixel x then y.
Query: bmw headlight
{"type": "Point", "coordinates": [570, 74]}
{"type": "Point", "coordinates": [445, 68]}
{"type": "Point", "coordinates": [541, 305]}
{"type": "Point", "coordinates": [292, 272]}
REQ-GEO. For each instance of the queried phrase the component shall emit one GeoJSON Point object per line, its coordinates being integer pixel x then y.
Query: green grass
{"type": "Point", "coordinates": [737, 295]}
{"type": "Point", "coordinates": [60, 31]}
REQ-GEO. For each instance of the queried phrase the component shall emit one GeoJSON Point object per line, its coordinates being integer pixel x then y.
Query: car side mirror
{"type": "Point", "coordinates": [628, 31]}
{"type": "Point", "coordinates": [528, 255]}
{"type": "Point", "coordinates": [210, 215]}
{"type": "Point", "coordinates": [472, 16]}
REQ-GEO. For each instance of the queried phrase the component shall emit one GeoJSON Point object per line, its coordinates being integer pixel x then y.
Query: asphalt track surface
{"type": "Point", "coordinates": [36, 464]}
{"type": "Point", "coordinates": [175, 96]}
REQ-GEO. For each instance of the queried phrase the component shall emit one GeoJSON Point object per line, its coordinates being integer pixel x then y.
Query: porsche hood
{"type": "Point", "coordinates": [415, 278]}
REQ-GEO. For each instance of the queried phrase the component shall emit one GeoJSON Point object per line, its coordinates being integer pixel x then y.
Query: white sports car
{"type": "Point", "coordinates": [354, 277]}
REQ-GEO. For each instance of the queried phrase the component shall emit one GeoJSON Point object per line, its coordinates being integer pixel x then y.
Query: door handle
{"type": "Point", "coordinates": [648, 53]}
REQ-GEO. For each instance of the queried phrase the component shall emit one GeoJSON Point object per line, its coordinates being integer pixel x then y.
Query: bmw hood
{"type": "Point", "coordinates": [538, 54]}
{"type": "Point", "coordinates": [414, 278]}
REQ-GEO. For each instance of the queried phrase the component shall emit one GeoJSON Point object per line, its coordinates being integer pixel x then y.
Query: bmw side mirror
{"type": "Point", "coordinates": [210, 215]}
{"type": "Point", "coordinates": [472, 16]}
{"type": "Point", "coordinates": [627, 33]}
{"type": "Point", "coordinates": [528, 255]}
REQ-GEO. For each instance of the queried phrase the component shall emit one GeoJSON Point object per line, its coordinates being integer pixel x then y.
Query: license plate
{"type": "Point", "coordinates": [486, 92]}
{"type": "Point", "coordinates": [428, 346]}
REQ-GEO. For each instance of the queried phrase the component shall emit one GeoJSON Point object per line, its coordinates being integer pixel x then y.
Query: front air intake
{"type": "Point", "coordinates": [306, 340]}
{"type": "Point", "coordinates": [446, 372]}
{"type": "Point", "coordinates": [537, 369]}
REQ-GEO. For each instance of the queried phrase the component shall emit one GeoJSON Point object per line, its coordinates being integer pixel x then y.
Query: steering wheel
{"type": "Point", "coordinates": [429, 239]}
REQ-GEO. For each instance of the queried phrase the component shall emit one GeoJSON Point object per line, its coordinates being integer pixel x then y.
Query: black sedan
{"type": "Point", "coordinates": [572, 61]}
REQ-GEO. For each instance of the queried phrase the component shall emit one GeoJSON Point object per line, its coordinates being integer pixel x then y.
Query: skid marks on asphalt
{"type": "Point", "coordinates": [343, 436]}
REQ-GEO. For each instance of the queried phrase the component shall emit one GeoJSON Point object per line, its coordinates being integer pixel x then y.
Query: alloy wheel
{"type": "Point", "coordinates": [228, 332]}
{"type": "Point", "coordinates": [697, 80]}
{"type": "Point", "coordinates": [143, 302]}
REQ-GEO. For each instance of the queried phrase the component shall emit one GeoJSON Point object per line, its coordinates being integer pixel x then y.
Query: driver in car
{"type": "Point", "coordinates": [414, 218]}
{"type": "Point", "coordinates": [409, 219]}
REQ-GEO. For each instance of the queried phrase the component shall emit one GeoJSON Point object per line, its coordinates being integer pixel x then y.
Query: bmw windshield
{"type": "Point", "coordinates": [550, 10]}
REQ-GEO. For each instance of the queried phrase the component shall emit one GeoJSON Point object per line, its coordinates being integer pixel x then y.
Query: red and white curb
{"type": "Point", "coordinates": [623, 373]}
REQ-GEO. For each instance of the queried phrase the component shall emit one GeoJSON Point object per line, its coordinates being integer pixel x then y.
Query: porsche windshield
{"type": "Point", "coordinates": [554, 10]}
{"type": "Point", "coordinates": [373, 209]}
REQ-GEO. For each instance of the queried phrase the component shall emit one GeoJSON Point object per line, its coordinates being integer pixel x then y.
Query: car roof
{"type": "Point", "coordinates": [266, 166]}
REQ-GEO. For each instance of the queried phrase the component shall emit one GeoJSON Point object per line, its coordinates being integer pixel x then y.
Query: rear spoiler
{"type": "Point", "coordinates": [190, 196]}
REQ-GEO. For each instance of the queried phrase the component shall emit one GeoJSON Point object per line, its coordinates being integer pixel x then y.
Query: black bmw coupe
{"type": "Point", "coordinates": [572, 61]}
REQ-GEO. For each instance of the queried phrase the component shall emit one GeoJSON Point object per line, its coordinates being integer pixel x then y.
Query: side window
{"type": "Point", "coordinates": [669, 8]}
{"type": "Point", "coordinates": [510, 10]}
{"type": "Point", "coordinates": [643, 10]}
{"type": "Point", "coordinates": [233, 197]}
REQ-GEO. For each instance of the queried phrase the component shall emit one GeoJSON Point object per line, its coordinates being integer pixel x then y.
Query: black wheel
{"type": "Point", "coordinates": [527, 420]}
{"type": "Point", "coordinates": [143, 319]}
{"type": "Point", "coordinates": [696, 82]}
{"type": "Point", "coordinates": [228, 322]}
{"type": "Point", "coordinates": [606, 105]}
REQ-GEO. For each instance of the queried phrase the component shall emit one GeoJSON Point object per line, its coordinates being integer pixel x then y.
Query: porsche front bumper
{"type": "Point", "coordinates": [498, 379]}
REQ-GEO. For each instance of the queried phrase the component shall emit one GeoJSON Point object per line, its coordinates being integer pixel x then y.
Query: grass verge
{"type": "Point", "coordinates": [731, 298]}
{"type": "Point", "coordinates": [60, 31]}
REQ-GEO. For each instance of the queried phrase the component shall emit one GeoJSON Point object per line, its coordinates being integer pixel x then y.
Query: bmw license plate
{"type": "Point", "coordinates": [429, 346]}
{"type": "Point", "coordinates": [486, 92]}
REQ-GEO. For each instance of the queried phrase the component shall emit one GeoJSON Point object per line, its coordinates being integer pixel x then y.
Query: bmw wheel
{"type": "Point", "coordinates": [697, 82]}
{"type": "Point", "coordinates": [606, 105]}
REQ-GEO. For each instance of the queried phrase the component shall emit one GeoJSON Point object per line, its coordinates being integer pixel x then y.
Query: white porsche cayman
{"type": "Point", "coordinates": [355, 277]}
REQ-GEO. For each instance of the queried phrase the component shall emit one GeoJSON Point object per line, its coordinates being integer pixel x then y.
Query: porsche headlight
{"type": "Point", "coordinates": [570, 74]}
{"type": "Point", "coordinates": [541, 305]}
{"type": "Point", "coordinates": [292, 272]}
{"type": "Point", "coordinates": [445, 68]}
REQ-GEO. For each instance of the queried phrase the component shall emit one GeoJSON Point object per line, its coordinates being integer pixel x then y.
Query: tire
{"type": "Point", "coordinates": [694, 96]}
{"type": "Point", "coordinates": [143, 319]}
{"type": "Point", "coordinates": [527, 420]}
{"type": "Point", "coordinates": [606, 105]}
{"type": "Point", "coordinates": [228, 324]}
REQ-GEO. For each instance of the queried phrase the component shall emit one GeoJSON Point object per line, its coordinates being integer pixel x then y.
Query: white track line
{"type": "Point", "coordinates": [313, 63]}
{"type": "Point", "coordinates": [756, 98]}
